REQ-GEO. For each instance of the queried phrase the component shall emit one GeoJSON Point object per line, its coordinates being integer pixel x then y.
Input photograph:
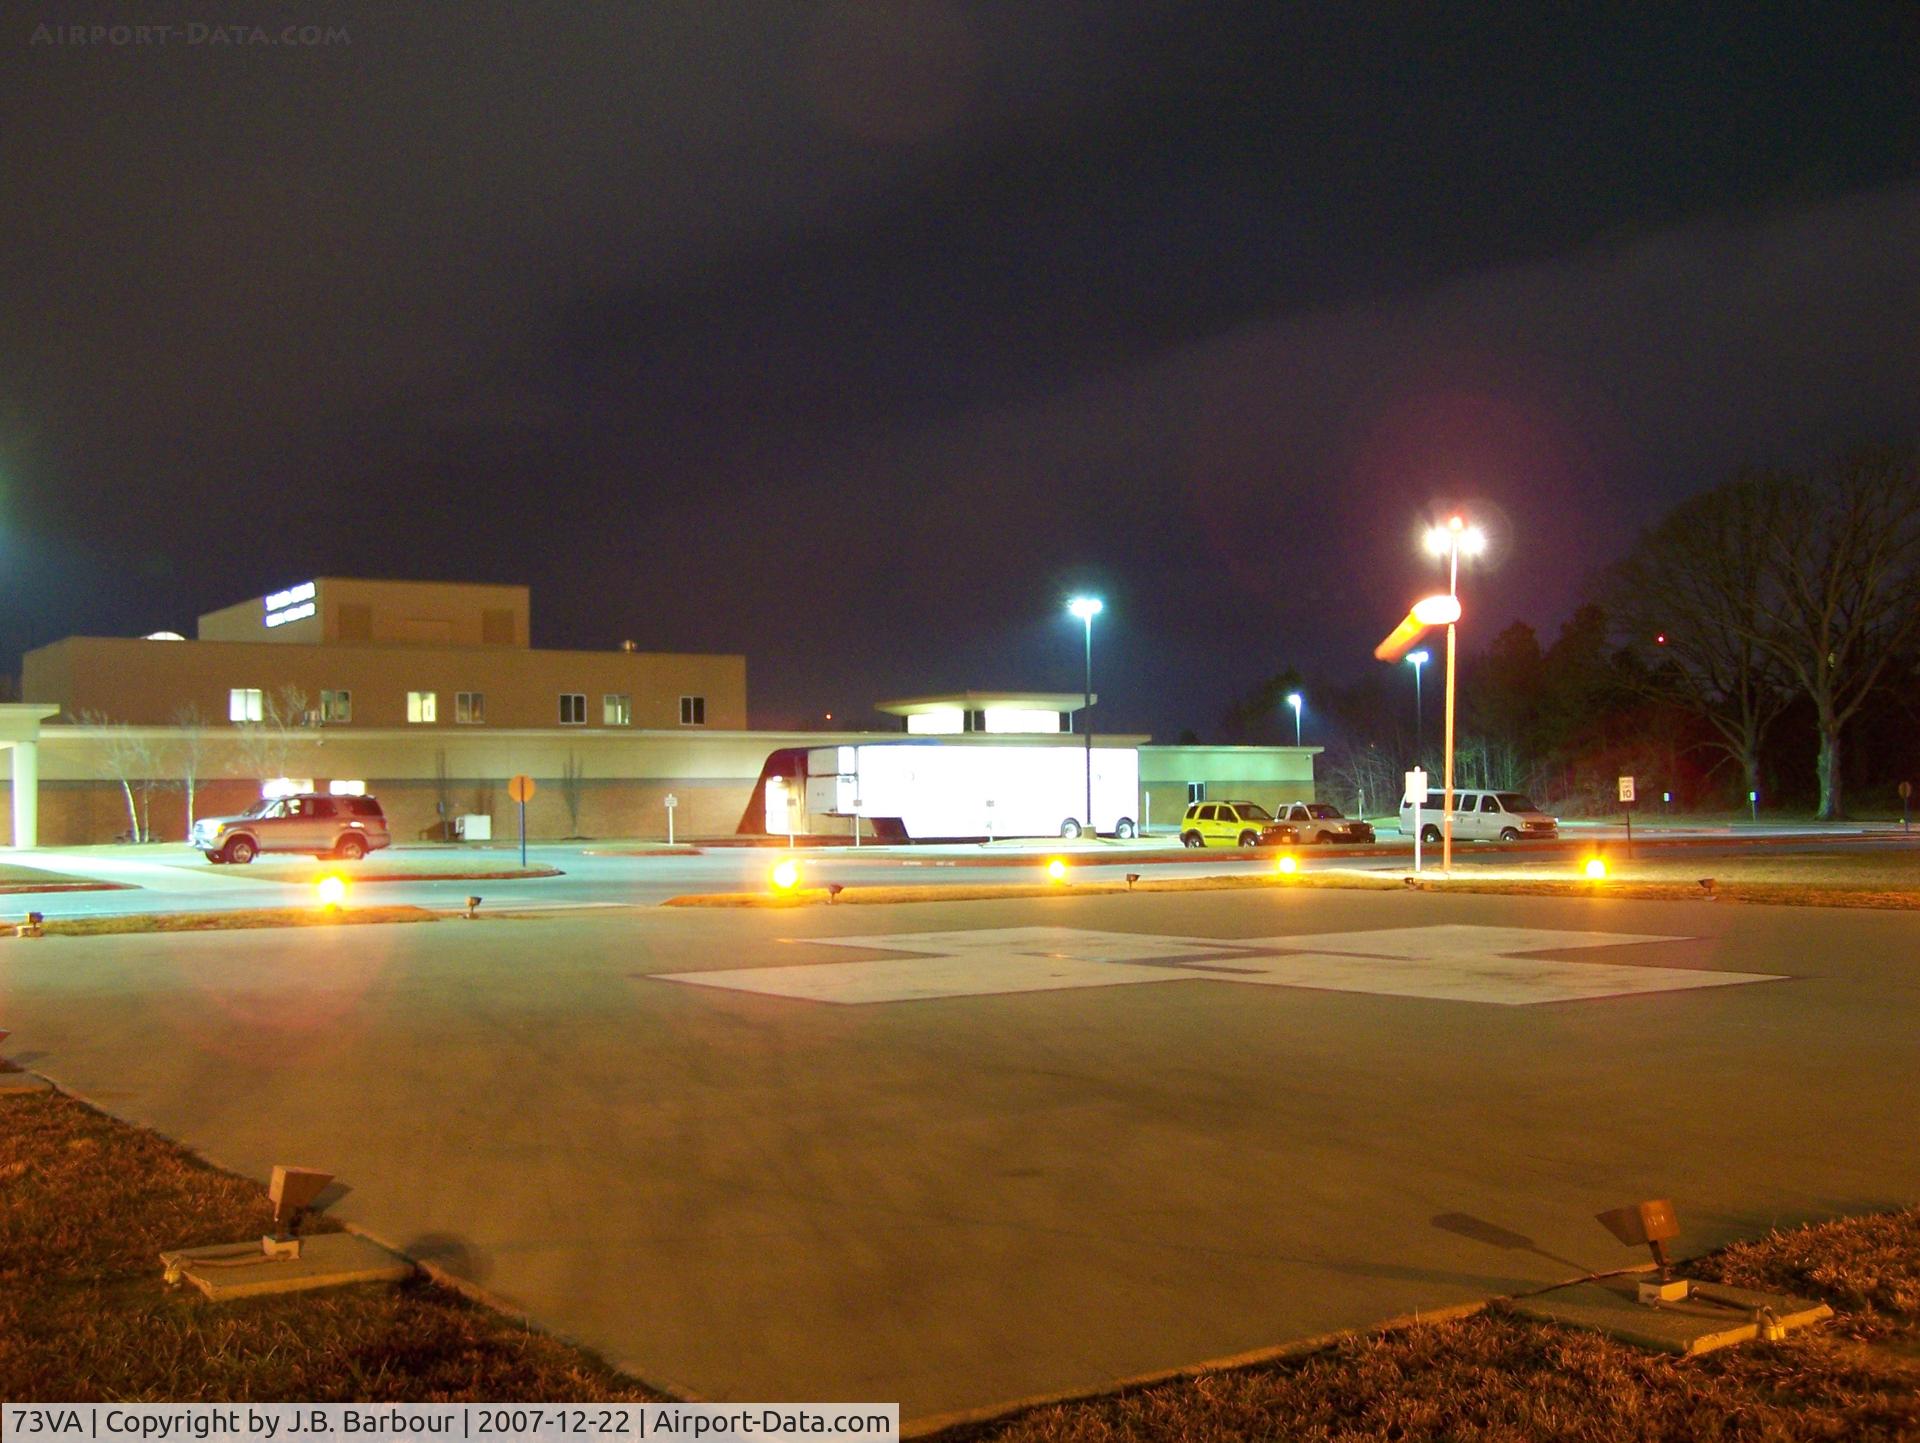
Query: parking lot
{"type": "Point", "coordinates": [960, 1153]}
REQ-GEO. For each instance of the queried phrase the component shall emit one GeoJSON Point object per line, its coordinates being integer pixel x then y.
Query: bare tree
{"type": "Point", "coordinates": [189, 753]}
{"type": "Point", "coordinates": [128, 757]}
{"type": "Point", "coordinates": [1686, 607]}
{"type": "Point", "coordinates": [1844, 598]}
{"type": "Point", "coordinates": [267, 746]}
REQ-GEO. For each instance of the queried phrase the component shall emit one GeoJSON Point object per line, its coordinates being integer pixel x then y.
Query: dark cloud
{"type": "Point", "coordinates": [850, 335]}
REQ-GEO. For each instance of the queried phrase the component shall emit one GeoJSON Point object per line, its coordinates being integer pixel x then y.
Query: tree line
{"type": "Point", "coordinates": [1761, 639]}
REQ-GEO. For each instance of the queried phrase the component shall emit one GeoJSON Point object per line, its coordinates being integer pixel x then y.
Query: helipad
{"type": "Point", "coordinates": [1502, 966]}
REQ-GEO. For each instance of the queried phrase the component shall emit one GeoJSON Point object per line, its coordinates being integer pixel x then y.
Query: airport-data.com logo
{"type": "Point", "coordinates": [195, 34]}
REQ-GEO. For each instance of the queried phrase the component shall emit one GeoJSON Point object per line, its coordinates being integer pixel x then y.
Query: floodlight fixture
{"type": "Point", "coordinates": [1056, 870]}
{"type": "Point", "coordinates": [473, 907]}
{"type": "Point", "coordinates": [786, 875]}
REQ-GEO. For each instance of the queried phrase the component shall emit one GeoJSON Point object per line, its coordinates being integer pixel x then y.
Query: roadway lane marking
{"type": "Point", "coordinates": [1455, 963]}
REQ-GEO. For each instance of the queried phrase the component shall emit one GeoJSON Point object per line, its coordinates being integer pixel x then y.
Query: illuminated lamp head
{"type": "Point", "coordinates": [331, 891]}
{"type": "Point", "coordinates": [1056, 870]}
{"type": "Point", "coordinates": [786, 875]}
{"type": "Point", "coordinates": [1287, 865]}
{"type": "Point", "coordinates": [1596, 870]}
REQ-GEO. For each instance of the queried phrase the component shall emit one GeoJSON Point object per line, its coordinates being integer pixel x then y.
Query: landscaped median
{"type": "Point", "coordinates": [89, 1202]}
{"type": "Point", "coordinates": [1885, 880]}
{"type": "Point", "coordinates": [239, 919]}
{"type": "Point", "coordinates": [17, 879]}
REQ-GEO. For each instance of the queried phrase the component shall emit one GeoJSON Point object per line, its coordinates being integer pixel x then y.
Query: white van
{"type": "Point", "coordinates": [1480, 816]}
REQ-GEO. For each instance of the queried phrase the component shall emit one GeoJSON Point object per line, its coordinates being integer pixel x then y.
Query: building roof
{"type": "Point", "coordinates": [981, 700]}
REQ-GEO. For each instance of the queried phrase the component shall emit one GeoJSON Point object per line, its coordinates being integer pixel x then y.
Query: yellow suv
{"type": "Point", "coordinates": [1231, 824]}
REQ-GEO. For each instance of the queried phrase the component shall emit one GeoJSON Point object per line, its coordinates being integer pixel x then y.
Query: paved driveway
{"type": "Point", "coordinates": [987, 1150]}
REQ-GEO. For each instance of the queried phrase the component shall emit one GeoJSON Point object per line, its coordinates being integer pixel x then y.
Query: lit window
{"type": "Point", "coordinates": [573, 708]}
{"type": "Point", "coordinates": [246, 704]}
{"type": "Point", "coordinates": [336, 706]}
{"type": "Point", "coordinates": [423, 706]}
{"type": "Point", "coordinates": [470, 707]}
{"type": "Point", "coordinates": [616, 710]}
{"type": "Point", "coordinates": [1196, 792]}
{"type": "Point", "coordinates": [693, 711]}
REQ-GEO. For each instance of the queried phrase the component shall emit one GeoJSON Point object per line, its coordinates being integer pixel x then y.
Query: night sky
{"type": "Point", "coordinates": [855, 337]}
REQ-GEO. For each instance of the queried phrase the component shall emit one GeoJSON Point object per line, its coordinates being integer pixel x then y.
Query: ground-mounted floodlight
{"type": "Point", "coordinates": [1706, 885]}
{"type": "Point", "coordinates": [1595, 869]}
{"type": "Point", "coordinates": [1132, 877]}
{"type": "Point", "coordinates": [1056, 870]}
{"type": "Point", "coordinates": [834, 889]}
{"type": "Point", "coordinates": [292, 1191]}
{"type": "Point", "coordinates": [34, 926]}
{"type": "Point", "coordinates": [331, 892]}
{"type": "Point", "coordinates": [1287, 865]}
{"type": "Point", "coordinates": [473, 907]}
{"type": "Point", "coordinates": [1653, 1225]}
{"type": "Point", "coordinates": [786, 875]}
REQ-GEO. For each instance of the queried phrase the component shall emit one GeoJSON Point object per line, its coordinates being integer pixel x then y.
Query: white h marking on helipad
{"type": "Point", "coordinates": [1456, 963]}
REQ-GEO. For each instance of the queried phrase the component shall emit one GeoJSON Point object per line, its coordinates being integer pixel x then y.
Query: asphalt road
{"type": "Point", "coordinates": [1085, 1156]}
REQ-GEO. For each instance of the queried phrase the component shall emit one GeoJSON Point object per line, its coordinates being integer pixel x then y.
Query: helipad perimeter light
{"type": "Point", "coordinates": [786, 875]}
{"type": "Point", "coordinates": [1057, 870]}
{"type": "Point", "coordinates": [1596, 870]}
{"type": "Point", "coordinates": [1287, 865]}
{"type": "Point", "coordinates": [331, 891]}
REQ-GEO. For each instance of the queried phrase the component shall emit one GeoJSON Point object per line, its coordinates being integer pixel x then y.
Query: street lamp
{"type": "Point", "coordinates": [1086, 608]}
{"type": "Point", "coordinates": [1293, 700]}
{"type": "Point", "coordinates": [1449, 539]}
{"type": "Point", "coordinates": [1419, 659]}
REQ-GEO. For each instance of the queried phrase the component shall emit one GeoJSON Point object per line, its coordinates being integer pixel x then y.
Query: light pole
{"type": "Point", "coordinates": [1449, 540]}
{"type": "Point", "coordinates": [1419, 659]}
{"type": "Point", "coordinates": [1086, 608]}
{"type": "Point", "coordinates": [1293, 700]}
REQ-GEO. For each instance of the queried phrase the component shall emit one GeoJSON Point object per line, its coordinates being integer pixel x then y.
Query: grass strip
{"type": "Point", "coordinates": [1772, 893]}
{"type": "Point", "coordinates": [238, 920]}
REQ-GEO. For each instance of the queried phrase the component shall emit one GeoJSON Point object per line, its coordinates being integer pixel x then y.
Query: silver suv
{"type": "Point", "coordinates": [322, 826]}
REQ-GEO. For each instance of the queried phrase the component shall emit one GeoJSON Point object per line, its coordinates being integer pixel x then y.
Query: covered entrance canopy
{"type": "Point", "coordinates": [20, 737]}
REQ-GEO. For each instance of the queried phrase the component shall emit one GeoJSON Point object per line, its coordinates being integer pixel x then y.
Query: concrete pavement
{"type": "Point", "coordinates": [968, 1199]}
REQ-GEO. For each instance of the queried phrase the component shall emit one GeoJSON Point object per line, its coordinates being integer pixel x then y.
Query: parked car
{"type": "Point", "coordinates": [1230, 824]}
{"type": "Point", "coordinates": [323, 826]}
{"type": "Point", "coordinates": [1480, 816]}
{"type": "Point", "coordinates": [1321, 822]}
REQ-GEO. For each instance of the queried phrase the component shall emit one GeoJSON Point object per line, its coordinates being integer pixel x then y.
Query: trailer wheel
{"type": "Point", "coordinates": [1070, 828]}
{"type": "Point", "coordinates": [1124, 829]}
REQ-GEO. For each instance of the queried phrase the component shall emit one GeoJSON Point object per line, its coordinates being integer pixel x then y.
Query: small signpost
{"type": "Point", "coordinates": [1417, 791]}
{"type": "Point", "coordinates": [1906, 817]}
{"type": "Point", "coordinates": [1626, 805]}
{"type": "Point", "coordinates": [520, 788]}
{"type": "Point", "coordinates": [1753, 801]}
{"type": "Point", "coordinates": [672, 802]}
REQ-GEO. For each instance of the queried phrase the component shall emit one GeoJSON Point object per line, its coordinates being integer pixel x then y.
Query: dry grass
{"type": "Point", "coordinates": [1498, 1378]}
{"type": "Point", "coordinates": [1867, 1268]}
{"type": "Point", "coordinates": [86, 1205]}
{"type": "Point", "coordinates": [238, 920]}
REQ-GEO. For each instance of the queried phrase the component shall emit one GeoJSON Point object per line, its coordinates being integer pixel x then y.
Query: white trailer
{"type": "Point", "coordinates": [953, 789]}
